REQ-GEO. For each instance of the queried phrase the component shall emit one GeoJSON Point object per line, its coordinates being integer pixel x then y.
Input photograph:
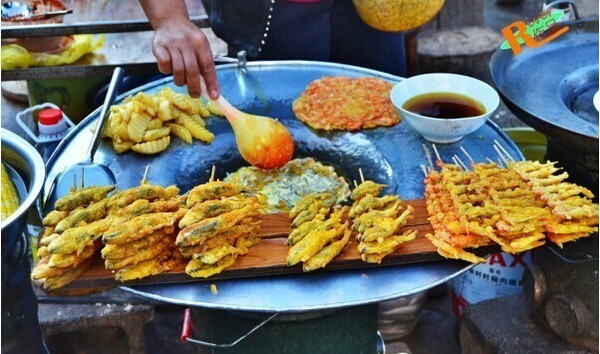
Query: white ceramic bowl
{"type": "Point", "coordinates": [444, 130]}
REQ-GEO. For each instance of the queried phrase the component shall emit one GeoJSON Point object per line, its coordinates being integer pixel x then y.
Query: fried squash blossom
{"type": "Point", "coordinates": [342, 103]}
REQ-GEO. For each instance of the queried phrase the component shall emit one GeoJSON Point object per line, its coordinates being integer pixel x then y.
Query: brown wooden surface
{"type": "Point", "coordinates": [268, 257]}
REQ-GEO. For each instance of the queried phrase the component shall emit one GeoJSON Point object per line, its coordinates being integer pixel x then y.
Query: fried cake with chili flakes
{"type": "Point", "coordinates": [342, 103]}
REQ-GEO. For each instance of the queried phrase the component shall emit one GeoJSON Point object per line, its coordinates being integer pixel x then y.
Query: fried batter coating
{"type": "Point", "coordinates": [246, 227]}
{"type": "Point", "coordinates": [212, 190]}
{"type": "Point", "coordinates": [77, 238]}
{"type": "Point", "coordinates": [43, 270]}
{"type": "Point", "coordinates": [313, 243]}
{"type": "Point", "coordinates": [385, 227]}
{"type": "Point", "coordinates": [371, 202]}
{"type": "Point", "coordinates": [145, 191]}
{"type": "Point", "coordinates": [327, 254]}
{"type": "Point", "coordinates": [197, 269]}
{"type": "Point", "coordinates": [164, 262]}
{"type": "Point", "coordinates": [92, 212]}
{"type": "Point", "coordinates": [54, 217]}
{"type": "Point", "coordinates": [212, 208]}
{"type": "Point", "coordinates": [123, 250]}
{"type": "Point", "coordinates": [388, 245]}
{"type": "Point", "coordinates": [71, 259]}
{"type": "Point", "coordinates": [305, 228]}
{"type": "Point", "coordinates": [141, 226]}
{"type": "Point", "coordinates": [82, 197]}
{"type": "Point", "coordinates": [43, 252]}
{"type": "Point", "coordinates": [365, 188]}
{"type": "Point", "coordinates": [210, 227]}
{"type": "Point", "coordinates": [144, 254]}
{"type": "Point", "coordinates": [245, 242]}
{"type": "Point", "coordinates": [59, 281]}
{"type": "Point", "coordinates": [368, 219]}
{"type": "Point", "coordinates": [45, 241]}
{"type": "Point", "coordinates": [446, 250]}
{"type": "Point", "coordinates": [214, 255]}
{"type": "Point", "coordinates": [320, 200]}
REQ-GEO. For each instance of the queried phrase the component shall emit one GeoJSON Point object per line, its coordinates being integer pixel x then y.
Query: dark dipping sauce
{"type": "Point", "coordinates": [444, 105]}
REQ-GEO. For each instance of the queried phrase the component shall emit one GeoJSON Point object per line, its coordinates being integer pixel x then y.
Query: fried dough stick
{"type": "Point", "coordinates": [82, 197]}
{"type": "Point", "coordinates": [212, 190]}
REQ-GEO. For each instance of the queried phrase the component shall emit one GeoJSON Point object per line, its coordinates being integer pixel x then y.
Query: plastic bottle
{"type": "Point", "coordinates": [52, 126]}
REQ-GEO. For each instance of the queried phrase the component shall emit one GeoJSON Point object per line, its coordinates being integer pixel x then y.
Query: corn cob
{"type": "Point", "coordinates": [10, 198]}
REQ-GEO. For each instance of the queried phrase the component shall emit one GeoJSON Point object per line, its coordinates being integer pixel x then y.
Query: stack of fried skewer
{"type": "Point", "coordinates": [141, 240]}
{"type": "Point", "coordinates": [70, 237]}
{"type": "Point", "coordinates": [318, 233]}
{"type": "Point", "coordinates": [218, 227]}
{"type": "Point", "coordinates": [514, 204]}
{"type": "Point", "coordinates": [377, 221]}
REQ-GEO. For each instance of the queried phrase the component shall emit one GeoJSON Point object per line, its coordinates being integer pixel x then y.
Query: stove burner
{"type": "Point", "coordinates": [577, 91]}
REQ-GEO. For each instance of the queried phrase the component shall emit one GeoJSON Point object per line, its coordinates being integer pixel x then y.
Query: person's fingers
{"type": "Point", "coordinates": [192, 72]}
{"type": "Point", "coordinates": [207, 68]}
{"type": "Point", "coordinates": [177, 65]}
{"type": "Point", "coordinates": [163, 59]}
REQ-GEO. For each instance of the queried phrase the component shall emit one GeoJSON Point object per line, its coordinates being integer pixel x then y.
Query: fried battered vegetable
{"type": "Point", "coordinates": [316, 201]}
{"type": "Point", "coordinates": [54, 217]}
{"type": "Point", "coordinates": [327, 254]}
{"type": "Point", "coordinates": [166, 261]}
{"type": "Point", "coordinates": [246, 227]}
{"type": "Point", "coordinates": [92, 212]}
{"type": "Point", "coordinates": [59, 281]}
{"type": "Point", "coordinates": [210, 227]}
{"type": "Point", "coordinates": [214, 255]}
{"type": "Point", "coordinates": [82, 197]}
{"type": "Point", "coordinates": [71, 259]}
{"type": "Point", "coordinates": [313, 243]}
{"type": "Point", "coordinates": [212, 190]}
{"type": "Point", "coordinates": [77, 238]}
{"type": "Point", "coordinates": [145, 191]}
{"type": "Point", "coordinates": [365, 188]}
{"type": "Point", "coordinates": [140, 226]}
{"type": "Point", "coordinates": [144, 254]}
{"type": "Point", "coordinates": [305, 228]}
{"type": "Point", "coordinates": [212, 208]}
{"type": "Point", "coordinates": [388, 245]}
{"type": "Point", "coordinates": [371, 202]}
{"type": "Point", "coordinates": [385, 227]}
{"type": "Point", "coordinates": [448, 251]}
{"type": "Point", "coordinates": [123, 250]}
{"type": "Point", "coordinates": [197, 269]}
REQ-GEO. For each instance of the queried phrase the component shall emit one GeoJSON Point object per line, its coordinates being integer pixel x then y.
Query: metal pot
{"type": "Point", "coordinates": [397, 15]}
{"type": "Point", "coordinates": [28, 173]}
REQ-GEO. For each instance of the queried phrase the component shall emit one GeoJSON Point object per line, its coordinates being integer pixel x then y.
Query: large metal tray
{"type": "Point", "coordinates": [388, 155]}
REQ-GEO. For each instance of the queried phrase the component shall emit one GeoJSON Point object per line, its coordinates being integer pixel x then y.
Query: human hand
{"type": "Point", "coordinates": [182, 48]}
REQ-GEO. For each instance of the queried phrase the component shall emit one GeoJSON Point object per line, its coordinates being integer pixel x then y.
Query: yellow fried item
{"type": "Point", "coordinates": [327, 254]}
{"type": "Point", "coordinates": [448, 251]}
{"type": "Point", "coordinates": [368, 219]}
{"type": "Point", "coordinates": [54, 217]}
{"type": "Point", "coordinates": [365, 188]}
{"type": "Point", "coordinates": [320, 200]}
{"type": "Point", "coordinates": [210, 227]}
{"type": "Point", "coordinates": [43, 251]}
{"type": "Point", "coordinates": [71, 259]}
{"type": "Point", "coordinates": [82, 197]}
{"type": "Point", "coordinates": [305, 228]}
{"type": "Point", "coordinates": [142, 255]}
{"type": "Point", "coordinates": [197, 269]}
{"type": "Point", "coordinates": [212, 208]}
{"type": "Point", "coordinates": [164, 262]}
{"type": "Point", "coordinates": [371, 202]}
{"type": "Point", "coordinates": [47, 238]}
{"type": "Point", "coordinates": [385, 227]}
{"type": "Point", "coordinates": [244, 228]}
{"type": "Point", "coordinates": [77, 238]}
{"type": "Point", "coordinates": [313, 243]}
{"type": "Point", "coordinates": [212, 190]}
{"type": "Point", "coordinates": [92, 212]}
{"type": "Point", "coordinates": [123, 250]}
{"type": "Point", "coordinates": [144, 191]}
{"type": "Point", "coordinates": [43, 270]}
{"type": "Point", "coordinates": [214, 255]}
{"type": "Point", "coordinates": [141, 226]}
{"type": "Point", "coordinates": [59, 281]}
{"type": "Point", "coordinates": [245, 242]}
{"type": "Point", "coordinates": [389, 244]}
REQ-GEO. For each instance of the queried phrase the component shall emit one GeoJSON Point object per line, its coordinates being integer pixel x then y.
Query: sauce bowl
{"type": "Point", "coordinates": [441, 130]}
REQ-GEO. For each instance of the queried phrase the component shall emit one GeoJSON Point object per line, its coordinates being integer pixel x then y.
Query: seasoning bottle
{"type": "Point", "coordinates": [52, 127]}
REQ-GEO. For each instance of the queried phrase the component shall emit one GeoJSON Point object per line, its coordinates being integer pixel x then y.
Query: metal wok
{"type": "Point", "coordinates": [388, 155]}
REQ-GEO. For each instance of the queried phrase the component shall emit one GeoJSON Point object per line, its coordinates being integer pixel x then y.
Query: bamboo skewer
{"type": "Point", "coordinates": [424, 169]}
{"type": "Point", "coordinates": [362, 177]}
{"type": "Point", "coordinates": [213, 171]}
{"type": "Point", "coordinates": [145, 175]}
{"type": "Point", "coordinates": [428, 155]}
{"type": "Point", "coordinates": [467, 154]}
{"type": "Point", "coordinates": [501, 155]}
{"type": "Point", "coordinates": [503, 150]}
{"type": "Point", "coordinates": [437, 154]}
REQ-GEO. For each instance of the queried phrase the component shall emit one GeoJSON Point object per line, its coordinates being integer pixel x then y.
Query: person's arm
{"type": "Point", "coordinates": [180, 47]}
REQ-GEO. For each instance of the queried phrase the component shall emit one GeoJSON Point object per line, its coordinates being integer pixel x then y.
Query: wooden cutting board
{"type": "Point", "coordinates": [268, 257]}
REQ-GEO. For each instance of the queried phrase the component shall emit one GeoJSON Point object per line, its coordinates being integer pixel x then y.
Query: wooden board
{"type": "Point", "coordinates": [268, 257]}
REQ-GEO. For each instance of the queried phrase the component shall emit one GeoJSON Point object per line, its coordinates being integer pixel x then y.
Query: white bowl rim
{"type": "Point", "coordinates": [408, 113]}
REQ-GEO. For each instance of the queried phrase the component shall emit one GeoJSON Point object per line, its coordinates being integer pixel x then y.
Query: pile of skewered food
{"type": "Point", "coordinates": [71, 236]}
{"type": "Point", "coordinates": [141, 239]}
{"type": "Point", "coordinates": [318, 233]}
{"type": "Point", "coordinates": [515, 206]}
{"type": "Point", "coordinates": [218, 227]}
{"type": "Point", "coordinates": [377, 221]}
{"type": "Point", "coordinates": [134, 225]}
{"type": "Point", "coordinates": [144, 123]}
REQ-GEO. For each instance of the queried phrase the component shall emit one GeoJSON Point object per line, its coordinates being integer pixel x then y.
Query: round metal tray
{"type": "Point", "coordinates": [389, 155]}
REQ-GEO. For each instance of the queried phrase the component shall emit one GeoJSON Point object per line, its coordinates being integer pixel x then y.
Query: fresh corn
{"type": "Point", "coordinates": [10, 198]}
